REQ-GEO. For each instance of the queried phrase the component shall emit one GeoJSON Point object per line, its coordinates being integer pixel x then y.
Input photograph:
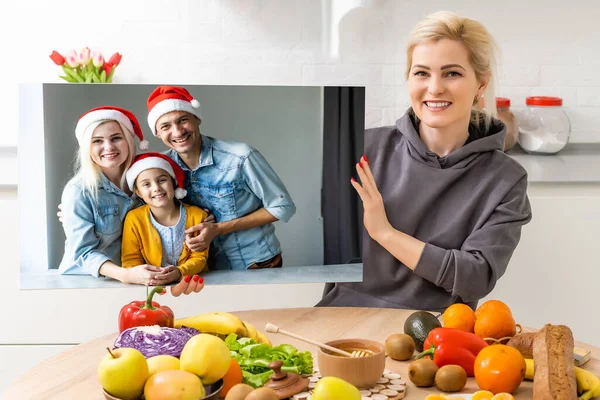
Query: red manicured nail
{"type": "Point", "coordinates": [201, 279]}
{"type": "Point", "coordinates": [360, 163]}
{"type": "Point", "coordinates": [188, 279]}
{"type": "Point", "coordinates": [196, 278]}
{"type": "Point", "coordinates": [352, 179]}
{"type": "Point", "coordinates": [366, 159]}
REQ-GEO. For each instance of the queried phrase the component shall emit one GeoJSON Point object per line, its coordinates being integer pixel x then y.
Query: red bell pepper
{"type": "Point", "coordinates": [146, 313]}
{"type": "Point", "coordinates": [448, 346]}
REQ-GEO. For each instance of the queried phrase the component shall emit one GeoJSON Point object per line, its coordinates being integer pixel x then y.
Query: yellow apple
{"type": "Point", "coordinates": [162, 362]}
{"type": "Point", "coordinates": [332, 388]}
{"type": "Point", "coordinates": [206, 356]}
{"type": "Point", "coordinates": [123, 373]}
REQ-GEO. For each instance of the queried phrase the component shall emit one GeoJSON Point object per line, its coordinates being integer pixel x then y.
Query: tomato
{"type": "Point", "coordinates": [499, 368]}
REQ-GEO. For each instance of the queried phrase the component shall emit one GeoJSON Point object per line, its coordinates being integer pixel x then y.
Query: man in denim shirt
{"type": "Point", "coordinates": [231, 179]}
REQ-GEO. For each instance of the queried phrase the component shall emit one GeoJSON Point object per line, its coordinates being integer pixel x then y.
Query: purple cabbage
{"type": "Point", "coordinates": [156, 340]}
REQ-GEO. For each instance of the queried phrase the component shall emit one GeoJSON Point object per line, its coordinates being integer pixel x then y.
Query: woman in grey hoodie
{"type": "Point", "coordinates": [443, 205]}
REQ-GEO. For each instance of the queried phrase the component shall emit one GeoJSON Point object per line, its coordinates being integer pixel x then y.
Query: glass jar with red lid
{"type": "Point", "coordinates": [508, 118]}
{"type": "Point", "coordinates": [544, 127]}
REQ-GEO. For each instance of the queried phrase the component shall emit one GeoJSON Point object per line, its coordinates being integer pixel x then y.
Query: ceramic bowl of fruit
{"type": "Point", "coordinates": [363, 371]}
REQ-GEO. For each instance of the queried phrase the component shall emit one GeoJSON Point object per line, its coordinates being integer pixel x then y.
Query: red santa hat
{"type": "Point", "coordinates": [165, 99]}
{"type": "Point", "coordinates": [111, 113]}
{"type": "Point", "coordinates": [151, 160]}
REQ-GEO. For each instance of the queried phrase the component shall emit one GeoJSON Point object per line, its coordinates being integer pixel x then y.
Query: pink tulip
{"type": "Point", "coordinates": [57, 58]}
{"type": "Point", "coordinates": [97, 59]}
{"type": "Point", "coordinates": [84, 56]}
{"type": "Point", "coordinates": [72, 59]}
{"type": "Point", "coordinates": [115, 59]}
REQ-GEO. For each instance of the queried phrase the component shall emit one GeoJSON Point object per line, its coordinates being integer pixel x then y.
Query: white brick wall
{"type": "Point", "coordinates": [285, 42]}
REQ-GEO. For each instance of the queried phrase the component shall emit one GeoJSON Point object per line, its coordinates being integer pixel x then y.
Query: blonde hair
{"type": "Point", "coordinates": [87, 171]}
{"type": "Point", "coordinates": [479, 43]}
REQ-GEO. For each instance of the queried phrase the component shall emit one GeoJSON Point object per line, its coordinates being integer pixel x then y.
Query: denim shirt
{"type": "Point", "coordinates": [233, 180]}
{"type": "Point", "coordinates": [92, 229]}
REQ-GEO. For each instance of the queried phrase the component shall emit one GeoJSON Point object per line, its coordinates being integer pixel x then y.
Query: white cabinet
{"type": "Point", "coordinates": [555, 271]}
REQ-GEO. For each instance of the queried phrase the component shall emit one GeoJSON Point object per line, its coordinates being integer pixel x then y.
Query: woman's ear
{"type": "Point", "coordinates": [483, 84]}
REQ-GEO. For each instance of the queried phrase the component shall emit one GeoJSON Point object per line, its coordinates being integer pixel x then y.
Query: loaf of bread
{"type": "Point", "coordinates": [524, 343]}
{"type": "Point", "coordinates": [554, 370]}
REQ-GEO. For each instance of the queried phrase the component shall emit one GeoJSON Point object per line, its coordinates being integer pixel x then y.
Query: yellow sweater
{"type": "Point", "coordinates": [141, 242]}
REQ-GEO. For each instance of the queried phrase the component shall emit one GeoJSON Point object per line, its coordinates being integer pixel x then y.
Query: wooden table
{"type": "Point", "coordinates": [72, 374]}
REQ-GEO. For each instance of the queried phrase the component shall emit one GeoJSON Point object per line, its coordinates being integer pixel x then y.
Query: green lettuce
{"type": "Point", "coordinates": [254, 359]}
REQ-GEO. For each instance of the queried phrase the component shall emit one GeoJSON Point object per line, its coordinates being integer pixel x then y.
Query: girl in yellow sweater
{"type": "Point", "coordinates": [154, 233]}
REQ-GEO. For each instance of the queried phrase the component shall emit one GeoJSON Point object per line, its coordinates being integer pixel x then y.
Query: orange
{"type": "Point", "coordinates": [459, 316]}
{"type": "Point", "coordinates": [436, 397]}
{"type": "Point", "coordinates": [495, 324]}
{"type": "Point", "coordinates": [503, 396]}
{"type": "Point", "coordinates": [231, 378]}
{"type": "Point", "coordinates": [493, 306]}
{"type": "Point", "coordinates": [482, 395]}
{"type": "Point", "coordinates": [499, 368]}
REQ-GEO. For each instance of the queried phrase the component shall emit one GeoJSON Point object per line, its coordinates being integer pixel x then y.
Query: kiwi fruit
{"type": "Point", "coordinates": [451, 378]}
{"type": "Point", "coordinates": [263, 393]}
{"type": "Point", "coordinates": [239, 392]}
{"type": "Point", "coordinates": [422, 372]}
{"type": "Point", "coordinates": [399, 346]}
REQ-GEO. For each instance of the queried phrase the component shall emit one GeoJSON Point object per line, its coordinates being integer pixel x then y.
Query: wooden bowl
{"type": "Point", "coordinates": [212, 392]}
{"type": "Point", "coordinates": [363, 372]}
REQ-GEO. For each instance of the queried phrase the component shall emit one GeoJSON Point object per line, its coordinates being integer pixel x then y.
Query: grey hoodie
{"type": "Point", "coordinates": [468, 207]}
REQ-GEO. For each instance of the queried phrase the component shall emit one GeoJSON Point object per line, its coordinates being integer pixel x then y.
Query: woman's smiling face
{"type": "Point", "coordinates": [109, 148]}
{"type": "Point", "coordinates": [442, 83]}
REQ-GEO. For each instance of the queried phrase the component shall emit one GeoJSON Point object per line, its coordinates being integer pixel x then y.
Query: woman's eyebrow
{"type": "Point", "coordinates": [443, 67]}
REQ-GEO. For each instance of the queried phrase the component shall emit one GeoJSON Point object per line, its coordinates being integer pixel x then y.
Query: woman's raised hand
{"type": "Point", "coordinates": [188, 285]}
{"type": "Point", "coordinates": [375, 219]}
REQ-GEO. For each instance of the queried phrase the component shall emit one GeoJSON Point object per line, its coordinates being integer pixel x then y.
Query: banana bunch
{"type": "Point", "coordinates": [588, 384]}
{"type": "Point", "coordinates": [222, 324]}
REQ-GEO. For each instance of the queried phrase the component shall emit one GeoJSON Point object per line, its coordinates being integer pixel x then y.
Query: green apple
{"type": "Point", "coordinates": [123, 373]}
{"type": "Point", "coordinates": [332, 388]}
{"type": "Point", "coordinates": [206, 356]}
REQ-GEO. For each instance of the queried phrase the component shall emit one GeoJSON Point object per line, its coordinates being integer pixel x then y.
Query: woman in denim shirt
{"type": "Point", "coordinates": [96, 200]}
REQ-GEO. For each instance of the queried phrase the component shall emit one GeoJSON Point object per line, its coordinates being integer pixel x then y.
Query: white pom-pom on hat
{"type": "Point", "coordinates": [144, 145]}
{"type": "Point", "coordinates": [180, 193]}
{"type": "Point", "coordinates": [195, 103]}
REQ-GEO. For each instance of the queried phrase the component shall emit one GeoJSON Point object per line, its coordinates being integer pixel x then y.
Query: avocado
{"type": "Point", "coordinates": [418, 325]}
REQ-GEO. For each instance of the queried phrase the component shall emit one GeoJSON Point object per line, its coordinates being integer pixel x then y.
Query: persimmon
{"type": "Point", "coordinates": [459, 316]}
{"type": "Point", "coordinates": [499, 368]}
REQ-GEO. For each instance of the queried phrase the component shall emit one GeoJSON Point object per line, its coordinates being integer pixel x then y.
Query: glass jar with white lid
{"type": "Point", "coordinates": [544, 127]}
